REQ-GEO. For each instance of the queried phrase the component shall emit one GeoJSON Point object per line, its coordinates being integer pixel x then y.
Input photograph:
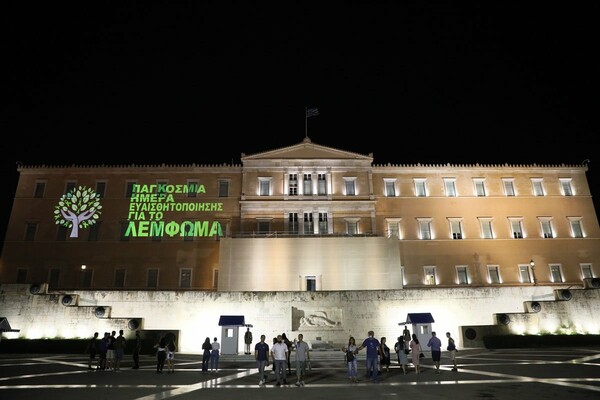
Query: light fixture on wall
{"type": "Point", "coordinates": [532, 264]}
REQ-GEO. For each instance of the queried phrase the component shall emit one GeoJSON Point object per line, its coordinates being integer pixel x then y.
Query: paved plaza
{"type": "Point", "coordinates": [558, 373]}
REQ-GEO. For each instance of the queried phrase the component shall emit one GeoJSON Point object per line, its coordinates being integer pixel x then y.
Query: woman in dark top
{"type": "Point", "coordinates": [384, 355]}
{"type": "Point", "coordinates": [206, 348]}
{"type": "Point", "coordinates": [161, 355]}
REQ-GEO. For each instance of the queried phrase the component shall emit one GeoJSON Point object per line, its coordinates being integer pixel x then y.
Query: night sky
{"type": "Point", "coordinates": [204, 81]}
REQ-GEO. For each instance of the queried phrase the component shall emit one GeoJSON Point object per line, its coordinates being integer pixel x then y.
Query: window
{"type": "Point", "coordinates": [129, 188]}
{"type": "Point", "coordinates": [86, 277]}
{"type": "Point", "coordinates": [61, 233]}
{"type": "Point", "coordinates": [30, 230]}
{"type": "Point", "coordinates": [393, 228]}
{"type": "Point", "coordinates": [565, 183]}
{"type": "Point", "coordinates": [486, 228]}
{"type": "Point", "coordinates": [308, 224]}
{"type": "Point", "coordinates": [461, 275]}
{"type": "Point", "coordinates": [479, 187]}
{"type": "Point", "coordinates": [187, 230]}
{"type": "Point", "coordinates": [94, 232]}
{"type": "Point", "coordinates": [450, 187]}
{"type": "Point", "coordinates": [390, 187]}
{"type": "Point", "coordinates": [455, 228]}
{"type": "Point", "coordinates": [576, 229]}
{"type": "Point", "coordinates": [420, 187]}
{"type": "Point", "coordinates": [546, 225]}
{"type": "Point", "coordinates": [53, 278]}
{"type": "Point", "coordinates": [538, 188]}
{"type": "Point", "coordinates": [322, 184]}
{"type": "Point", "coordinates": [429, 275]}
{"type": "Point", "coordinates": [509, 186]}
{"type": "Point", "coordinates": [40, 188]}
{"type": "Point", "coordinates": [123, 225]}
{"type": "Point", "coordinates": [120, 274]}
{"type": "Point", "coordinates": [516, 228]}
{"type": "Point", "coordinates": [293, 185]}
{"type": "Point", "coordinates": [352, 226]}
{"type": "Point", "coordinates": [307, 185]}
{"type": "Point", "coordinates": [185, 278]}
{"type": "Point", "coordinates": [293, 222]}
{"type": "Point", "coordinates": [311, 283]}
{"type": "Point", "coordinates": [152, 278]}
{"type": "Point", "coordinates": [192, 187]}
{"type": "Point", "coordinates": [525, 273]}
{"type": "Point", "coordinates": [21, 275]}
{"type": "Point", "coordinates": [555, 273]}
{"type": "Point", "coordinates": [101, 189]}
{"type": "Point", "coordinates": [69, 187]}
{"type": "Point", "coordinates": [263, 226]}
{"type": "Point", "coordinates": [424, 228]}
{"type": "Point", "coordinates": [264, 185]}
{"type": "Point", "coordinates": [493, 274]}
{"type": "Point", "coordinates": [215, 278]}
{"type": "Point", "coordinates": [586, 271]}
{"type": "Point", "coordinates": [323, 225]}
{"type": "Point", "coordinates": [350, 184]}
{"type": "Point", "coordinates": [223, 188]}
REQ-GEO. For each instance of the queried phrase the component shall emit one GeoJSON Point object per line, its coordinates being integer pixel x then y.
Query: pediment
{"type": "Point", "coordinates": [307, 150]}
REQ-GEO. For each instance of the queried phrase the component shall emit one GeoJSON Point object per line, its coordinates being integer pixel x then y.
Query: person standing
{"type": "Point", "coordinates": [206, 349]}
{"type": "Point", "coordinates": [351, 351]}
{"type": "Point", "coordinates": [415, 348]}
{"type": "Point", "coordinates": [302, 358]}
{"type": "Point", "coordinates": [279, 352]}
{"type": "Point", "coordinates": [110, 351]}
{"type": "Point", "coordinates": [248, 340]}
{"type": "Point", "coordinates": [92, 349]}
{"type": "Point", "coordinates": [119, 350]}
{"type": "Point", "coordinates": [289, 345]}
{"type": "Point", "coordinates": [384, 354]}
{"type": "Point", "coordinates": [373, 348]}
{"type": "Point", "coordinates": [401, 349]}
{"type": "Point", "coordinates": [137, 347]}
{"type": "Point", "coordinates": [161, 354]}
{"type": "Point", "coordinates": [261, 355]}
{"type": "Point", "coordinates": [436, 350]}
{"type": "Point", "coordinates": [171, 356]}
{"type": "Point", "coordinates": [103, 350]}
{"type": "Point", "coordinates": [214, 355]}
{"type": "Point", "coordinates": [452, 350]}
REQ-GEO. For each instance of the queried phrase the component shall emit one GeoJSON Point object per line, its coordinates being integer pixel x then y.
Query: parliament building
{"type": "Point", "coordinates": [303, 218]}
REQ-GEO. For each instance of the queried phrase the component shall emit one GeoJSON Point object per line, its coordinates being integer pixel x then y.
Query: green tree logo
{"type": "Point", "coordinates": [80, 208]}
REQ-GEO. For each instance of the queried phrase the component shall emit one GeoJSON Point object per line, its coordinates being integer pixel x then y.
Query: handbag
{"type": "Point", "coordinates": [421, 355]}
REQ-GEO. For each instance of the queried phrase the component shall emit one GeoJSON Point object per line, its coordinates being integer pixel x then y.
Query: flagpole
{"type": "Point", "coordinates": [305, 122]}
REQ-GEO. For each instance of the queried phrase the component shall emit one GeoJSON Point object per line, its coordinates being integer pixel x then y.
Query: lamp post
{"type": "Point", "coordinates": [532, 263]}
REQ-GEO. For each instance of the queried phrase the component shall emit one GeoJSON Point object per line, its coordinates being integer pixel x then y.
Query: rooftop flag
{"type": "Point", "coordinates": [311, 112]}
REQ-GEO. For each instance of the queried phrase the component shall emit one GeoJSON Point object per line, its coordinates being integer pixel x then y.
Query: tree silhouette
{"type": "Point", "coordinates": [80, 208]}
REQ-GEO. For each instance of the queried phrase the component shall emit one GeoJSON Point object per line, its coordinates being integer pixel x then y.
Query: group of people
{"type": "Point", "coordinates": [165, 354]}
{"type": "Point", "coordinates": [280, 355]}
{"type": "Point", "coordinates": [378, 354]}
{"type": "Point", "coordinates": [110, 350]}
{"type": "Point", "coordinates": [210, 355]}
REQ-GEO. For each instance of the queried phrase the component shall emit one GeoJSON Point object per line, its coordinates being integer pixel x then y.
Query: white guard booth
{"type": "Point", "coordinates": [230, 330]}
{"type": "Point", "coordinates": [421, 326]}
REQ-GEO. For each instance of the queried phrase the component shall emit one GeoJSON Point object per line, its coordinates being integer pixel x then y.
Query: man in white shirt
{"type": "Point", "coordinates": [279, 353]}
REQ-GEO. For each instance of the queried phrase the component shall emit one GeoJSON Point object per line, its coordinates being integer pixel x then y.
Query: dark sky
{"type": "Point", "coordinates": [204, 81]}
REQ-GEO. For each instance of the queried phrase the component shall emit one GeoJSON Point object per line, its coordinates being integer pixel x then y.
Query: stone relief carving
{"type": "Point", "coordinates": [316, 318]}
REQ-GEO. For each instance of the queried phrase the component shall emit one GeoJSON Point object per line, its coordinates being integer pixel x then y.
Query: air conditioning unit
{"type": "Point", "coordinates": [502, 319]}
{"type": "Point", "coordinates": [134, 324]}
{"type": "Point", "coordinates": [102, 312]}
{"type": "Point", "coordinates": [68, 299]}
{"type": "Point", "coordinates": [38, 288]}
{"type": "Point", "coordinates": [563, 294]}
{"type": "Point", "coordinates": [591, 283]}
{"type": "Point", "coordinates": [532, 306]}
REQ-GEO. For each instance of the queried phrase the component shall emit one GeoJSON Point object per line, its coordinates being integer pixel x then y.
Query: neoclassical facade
{"type": "Point", "coordinates": [301, 218]}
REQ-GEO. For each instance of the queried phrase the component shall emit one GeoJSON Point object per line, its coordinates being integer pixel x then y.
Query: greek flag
{"type": "Point", "coordinates": [311, 112]}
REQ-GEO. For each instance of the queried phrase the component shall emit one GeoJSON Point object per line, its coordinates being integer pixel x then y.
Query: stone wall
{"type": "Point", "coordinates": [325, 318]}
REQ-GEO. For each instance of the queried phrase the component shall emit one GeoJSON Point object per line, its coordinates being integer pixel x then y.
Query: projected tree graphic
{"type": "Point", "coordinates": [80, 208]}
